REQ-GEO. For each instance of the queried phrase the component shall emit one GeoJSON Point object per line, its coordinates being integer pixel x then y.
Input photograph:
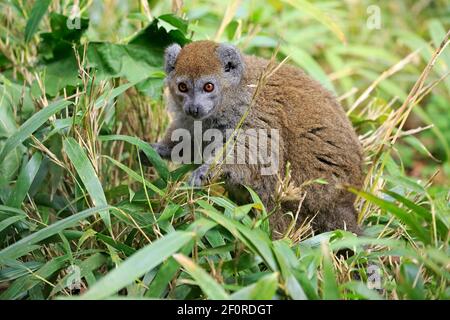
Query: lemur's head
{"type": "Point", "coordinates": [199, 73]}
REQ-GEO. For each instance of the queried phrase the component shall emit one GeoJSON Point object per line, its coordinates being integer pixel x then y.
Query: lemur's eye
{"type": "Point", "coordinates": [182, 87]}
{"type": "Point", "coordinates": [208, 87]}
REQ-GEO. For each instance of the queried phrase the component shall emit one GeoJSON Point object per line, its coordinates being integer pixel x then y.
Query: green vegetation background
{"type": "Point", "coordinates": [79, 215]}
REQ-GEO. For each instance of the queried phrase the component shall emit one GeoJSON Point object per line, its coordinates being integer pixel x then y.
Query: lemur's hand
{"type": "Point", "coordinates": [200, 176]}
{"type": "Point", "coordinates": [163, 151]}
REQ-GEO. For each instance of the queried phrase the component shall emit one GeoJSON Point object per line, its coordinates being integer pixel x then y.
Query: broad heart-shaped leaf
{"type": "Point", "coordinates": [142, 57]}
{"type": "Point", "coordinates": [31, 125]}
{"type": "Point", "coordinates": [138, 264]}
{"type": "Point", "coordinates": [39, 9]}
{"type": "Point", "coordinates": [26, 244]}
{"type": "Point", "coordinates": [57, 53]}
{"type": "Point", "coordinates": [87, 175]}
{"type": "Point", "coordinates": [57, 44]}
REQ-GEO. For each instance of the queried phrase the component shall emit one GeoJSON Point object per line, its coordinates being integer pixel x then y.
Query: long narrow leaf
{"type": "Point", "coordinates": [31, 125]}
{"type": "Point", "coordinates": [87, 175]}
{"type": "Point", "coordinates": [37, 13]}
{"type": "Point", "coordinates": [209, 286]}
{"type": "Point", "coordinates": [138, 264]}
{"type": "Point", "coordinates": [18, 248]}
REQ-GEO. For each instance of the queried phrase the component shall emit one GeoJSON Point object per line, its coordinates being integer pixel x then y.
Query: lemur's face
{"type": "Point", "coordinates": [198, 98]}
{"type": "Point", "coordinates": [198, 74]}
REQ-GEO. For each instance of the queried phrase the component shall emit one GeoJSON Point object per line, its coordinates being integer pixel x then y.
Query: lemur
{"type": "Point", "coordinates": [215, 84]}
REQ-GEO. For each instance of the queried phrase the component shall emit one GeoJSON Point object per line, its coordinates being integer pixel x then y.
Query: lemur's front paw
{"type": "Point", "coordinates": [199, 176]}
{"type": "Point", "coordinates": [163, 150]}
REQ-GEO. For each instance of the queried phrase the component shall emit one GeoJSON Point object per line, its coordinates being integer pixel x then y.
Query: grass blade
{"type": "Point", "coordinates": [31, 125]}
{"type": "Point", "coordinates": [88, 176]}
{"type": "Point", "coordinates": [138, 264]}
{"type": "Point", "coordinates": [9, 221]}
{"type": "Point", "coordinates": [24, 181]}
{"type": "Point", "coordinates": [37, 13]}
{"type": "Point", "coordinates": [255, 239]}
{"type": "Point", "coordinates": [264, 289]}
{"type": "Point", "coordinates": [12, 251]}
{"type": "Point", "coordinates": [152, 155]}
{"type": "Point", "coordinates": [401, 214]}
{"type": "Point", "coordinates": [170, 267]}
{"type": "Point", "coordinates": [209, 286]}
{"type": "Point", "coordinates": [136, 176]}
{"type": "Point", "coordinates": [319, 15]}
{"type": "Point", "coordinates": [330, 290]}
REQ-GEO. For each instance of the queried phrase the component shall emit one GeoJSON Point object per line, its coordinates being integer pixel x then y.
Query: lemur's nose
{"type": "Point", "coordinates": [193, 110]}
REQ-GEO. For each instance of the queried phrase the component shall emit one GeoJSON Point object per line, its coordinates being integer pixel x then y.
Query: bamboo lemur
{"type": "Point", "coordinates": [214, 83]}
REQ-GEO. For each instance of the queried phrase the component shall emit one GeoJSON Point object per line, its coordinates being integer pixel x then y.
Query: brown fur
{"type": "Point", "coordinates": [196, 59]}
{"type": "Point", "coordinates": [316, 137]}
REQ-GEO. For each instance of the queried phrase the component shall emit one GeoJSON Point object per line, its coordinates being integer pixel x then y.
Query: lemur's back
{"type": "Point", "coordinates": [318, 141]}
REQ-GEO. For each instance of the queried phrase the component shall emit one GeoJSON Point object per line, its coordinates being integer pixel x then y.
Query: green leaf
{"type": "Point", "coordinates": [255, 239]}
{"type": "Point", "coordinates": [264, 289]}
{"type": "Point", "coordinates": [138, 264]}
{"type": "Point", "coordinates": [424, 213]}
{"type": "Point", "coordinates": [143, 56]}
{"type": "Point", "coordinates": [20, 247]}
{"type": "Point", "coordinates": [31, 125]}
{"type": "Point", "coordinates": [18, 270]}
{"type": "Point", "coordinates": [20, 286]}
{"type": "Point", "coordinates": [208, 285]}
{"type": "Point", "coordinates": [152, 155]}
{"type": "Point", "coordinates": [361, 290]}
{"type": "Point", "coordinates": [37, 13]}
{"type": "Point", "coordinates": [87, 175]}
{"type": "Point", "coordinates": [9, 221]}
{"type": "Point", "coordinates": [319, 15]}
{"type": "Point", "coordinates": [170, 267]}
{"type": "Point", "coordinates": [12, 211]}
{"type": "Point", "coordinates": [24, 181]}
{"type": "Point", "coordinates": [92, 263]}
{"type": "Point", "coordinates": [330, 290]}
{"type": "Point", "coordinates": [401, 214]}
{"type": "Point", "coordinates": [136, 176]}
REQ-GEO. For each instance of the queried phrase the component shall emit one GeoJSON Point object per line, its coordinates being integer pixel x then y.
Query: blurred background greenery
{"type": "Point", "coordinates": [75, 102]}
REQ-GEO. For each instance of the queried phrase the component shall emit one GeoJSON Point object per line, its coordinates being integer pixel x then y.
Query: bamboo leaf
{"type": "Point", "coordinates": [37, 13]}
{"type": "Point", "coordinates": [209, 286]}
{"type": "Point", "coordinates": [264, 289]}
{"type": "Point", "coordinates": [31, 125]}
{"type": "Point", "coordinates": [88, 176]}
{"type": "Point", "coordinates": [152, 155]}
{"type": "Point", "coordinates": [25, 180]}
{"type": "Point", "coordinates": [20, 247]}
{"type": "Point", "coordinates": [138, 264]}
{"type": "Point", "coordinates": [330, 290]}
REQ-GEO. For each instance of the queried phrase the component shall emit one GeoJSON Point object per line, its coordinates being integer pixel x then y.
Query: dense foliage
{"type": "Point", "coordinates": [81, 96]}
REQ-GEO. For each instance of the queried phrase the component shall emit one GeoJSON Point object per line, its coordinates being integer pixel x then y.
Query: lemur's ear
{"type": "Point", "coordinates": [232, 63]}
{"type": "Point", "coordinates": [170, 57]}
